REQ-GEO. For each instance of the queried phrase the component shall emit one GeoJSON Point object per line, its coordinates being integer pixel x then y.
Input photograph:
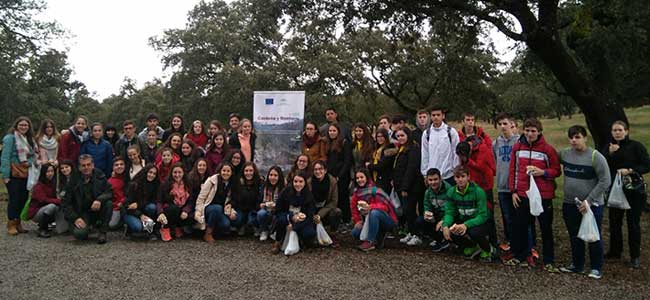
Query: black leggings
{"type": "Point", "coordinates": [635, 198]}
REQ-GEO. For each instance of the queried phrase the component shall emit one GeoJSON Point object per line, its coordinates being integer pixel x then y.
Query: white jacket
{"type": "Point", "coordinates": [439, 150]}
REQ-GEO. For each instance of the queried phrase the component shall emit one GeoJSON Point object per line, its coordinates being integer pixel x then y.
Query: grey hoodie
{"type": "Point", "coordinates": [502, 148]}
{"type": "Point", "coordinates": [143, 134]}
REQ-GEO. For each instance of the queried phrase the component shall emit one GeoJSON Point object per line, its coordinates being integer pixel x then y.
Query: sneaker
{"type": "Point", "coordinates": [530, 262]}
{"type": "Point", "coordinates": [571, 269]}
{"type": "Point", "coordinates": [273, 236]}
{"type": "Point", "coordinates": [512, 262]}
{"type": "Point", "coordinates": [433, 243]}
{"type": "Point", "coordinates": [102, 238]}
{"type": "Point", "coordinates": [165, 234]}
{"type": "Point", "coordinates": [264, 235]}
{"type": "Point", "coordinates": [414, 241]}
{"type": "Point", "coordinates": [534, 254]}
{"type": "Point", "coordinates": [505, 247]}
{"type": "Point", "coordinates": [44, 233]}
{"type": "Point", "coordinates": [178, 232]}
{"type": "Point", "coordinates": [595, 274]}
{"type": "Point", "coordinates": [486, 256]}
{"type": "Point", "coordinates": [381, 240]}
{"type": "Point", "coordinates": [406, 239]}
{"type": "Point", "coordinates": [257, 232]}
{"type": "Point", "coordinates": [366, 246]}
{"type": "Point", "coordinates": [551, 268]}
{"type": "Point", "coordinates": [635, 263]}
{"type": "Point", "coordinates": [471, 252]}
{"type": "Point", "coordinates": [439, 247]}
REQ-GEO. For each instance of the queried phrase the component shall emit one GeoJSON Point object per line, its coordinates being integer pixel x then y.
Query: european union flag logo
{"type": "Point", "coordinates": [268, 101]}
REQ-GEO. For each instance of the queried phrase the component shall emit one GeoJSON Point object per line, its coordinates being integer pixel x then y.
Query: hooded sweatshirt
{"type": "Point", "coordinates": [502, 148]}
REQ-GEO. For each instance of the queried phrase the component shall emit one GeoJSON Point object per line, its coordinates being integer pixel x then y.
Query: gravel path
{"type": "Point", "coordinates": [242, 268]}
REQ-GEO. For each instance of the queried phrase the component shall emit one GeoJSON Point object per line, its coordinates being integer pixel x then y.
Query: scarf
{"type": "Point", "coordinates": [371, 193]}
{"type": "Point", "coordinates": [320, 189]}
{"type": "Point", "coordinates": [49, 143]}
{"type": "Point", "coordinates": [79, 138]}
{"type": "Point", "coordinates": [375, 160]}
{"type": "Point", "coordinates": [401, 150]}
{"type": "Point", "coordinates": [179, 193]}
{"type": "Point", "coordinates": [310, 141]}
{"type": "Point", "coordinates": [270, 194]}
{"type": "Point", "coordinates": [24, 150]}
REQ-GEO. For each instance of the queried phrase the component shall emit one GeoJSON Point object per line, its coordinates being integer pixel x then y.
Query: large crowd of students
{"type": "Point", "coordinates": [433, 183]}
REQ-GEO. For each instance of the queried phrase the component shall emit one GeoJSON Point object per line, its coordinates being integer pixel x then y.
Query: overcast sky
{"type": "Point", "coordinates": [109, 39]}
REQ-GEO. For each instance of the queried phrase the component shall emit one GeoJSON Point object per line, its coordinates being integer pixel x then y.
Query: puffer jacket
{"type": "Point", "coordinates": [539, 154]}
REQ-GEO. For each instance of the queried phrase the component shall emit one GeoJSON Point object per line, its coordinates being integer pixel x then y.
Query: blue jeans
{"type": "Point", "coordinates": [264, 219]}
{"type": "Point", "coordinates": [133, 223]}
{"type": "Point", "coordinates": [572, 219]}
{"type": "Point", "coordinates": [378, 222]}
{"type": "Point", "coordinates": [249, 218]}
{"type": "Point", "coordinates": [306, 229]}
{"type": "Point", "coordinates": [150, 211]}
{"type": "Point", "coordinates": [215, 219]}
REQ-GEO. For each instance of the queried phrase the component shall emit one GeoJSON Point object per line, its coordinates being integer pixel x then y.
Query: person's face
{"type": "Point", "coordinates": [236, 159]}
{"type": "Point", "coordinates": [423, 119]}
{"type": "Point", "coordinates": [234, 123]}
{"type": "Point", "coordinates": [152, 123]}
{"type": "Point", "coordinates": [302, 162]}
{"type": "Point", "coordinates": [274, 177]}
{"type": "Point", "coordinates": [86, 167]}
{"type": "Point", "coordinates": [618, 132]}
{"type": "Point", "coordinates": [49, 129]}
{"type": "Point", "coordinates": [578, 142]}
{"type": "Point", "coordinates": [246, 128]}
{"type": "Point", "coordinates": [175, 142]}
{"type": "Point", "coordinates": [133, 156]}
{"type": "Point", "coordinates": [49, 174]}
{"type": "Point", "coordinates": [361, 179]}
{"type": "Point", "coordinates": [330, 115]}
{"type": "Point", "coordinates": [310, 130]}
{"type": "Point", "coordinates": [437, 116]}
{"type": "Point", "coordinates": [319, 171]}
{"type": "Point", "coordinates": [505, 126]}
{"type": "Point", "coordinates": [434, 181]}
{"type": "Point", "coordinates": [461, 180]}
{"type": "Point", "coordinates": [118, 167]}
{"type": "Point", "coordinates": [66, 170]}
{"type": "Point", "coordinates": [532, 134]}
{"type": "Point", "coordinates": [98, 132]}
{"type": "Point", "coordinates": [248, 172]}
{"type": "Point", "coordinates": [381, 139]}
{"type": "Point", "coordinates": [177, 174]}
{"type": "Point", "coordinates": [226, 173]}
{"type": "Point", "coordinates": [398, 126]}
{"type": "Point", "coordinates": [177, 122]}
{"type": "Point", "coordinates": [186, 149]}
{"type": "Point", "coordinates": [197, 128]}
{"type": "Point", "coordinates": [202, 167]}
{"type": "Point", "coordinates": [129, 130]}
{"type": "Point", "coordinates": [469, 122]}
{"type": "Point", "coordinates": [332, 132]}
{"type": "Point", "coordinates": [219, 141]}
{"type": "Point", "coordinates": [358, 133]}
{"type": "Point", "coordinates": [152, 137]}
{"type": "Point", "coordinates": [298, 183]}
{"type": "Point", "coordinates": [383, 123]}
{"type": "Point", "coordinates": [213, 129]}
{"type": "Point", "coordinates": [80, 125]}
{"type": "Point", "coordinates": [23, 127]}
{"type": "Point", "coordinates": [402, 138]}
{"type": "Point", "coordinates": [152, 174]}
{"type": "Point", "coordinates": [110, 133]}
{"type": "Point", "coordinates": [167, 157]}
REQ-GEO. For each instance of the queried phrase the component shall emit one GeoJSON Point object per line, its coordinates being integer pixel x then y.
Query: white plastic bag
{"type": "Point", "coordinates": [364, 231]}
{"type": "Point", "coordinates": [32, 177]}
{"type": "Point", "coordinates": [397, 204]}
{"type": "Point", "coordinates": [323, 238]}
{"type": "Point", "coordinates": [588, 228]}
{"type": "Point", "coordinates": [294, 245]}
{"type": "Point", "coordinates": [534, 198]}
{"type": "Point", "coordinates": [285, 242]}
{"type": "Point", "coordinates": [617, 197]}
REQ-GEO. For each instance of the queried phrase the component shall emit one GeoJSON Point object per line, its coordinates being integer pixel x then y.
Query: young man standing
{"type": "Point", "coordinates": [332, 117]}
{"type": "Point", "coordinates": [398, 122]}
{"type": "Point", "coordinates": [502, 150]}
{"type": "Point", "coordinates": [128, 139]}
{"type": "Point", "coordinates": [532, 155]}
{"type": "Point", "coordinates": [233, 123]}
{"type": "Point", "coordinates": [469, 129]}
{"type": "Point", "coordinates": [439, 143]}
{"type": "Point", "coordinates": [586, 179]}
{"type": "Point", "coordinates": [422, 123]}
{"type": "Point", "coordinates": [152, 124]}
{"type": "Point", "coordinates": [100, 150]}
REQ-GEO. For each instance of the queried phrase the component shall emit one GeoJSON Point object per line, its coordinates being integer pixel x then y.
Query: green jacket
{"type": "Point", "coordinates": [435, 201]}
{"type": "Point", "coordinates": [76, 203]}
{"type": "Point", "coordinates": [468, 207]}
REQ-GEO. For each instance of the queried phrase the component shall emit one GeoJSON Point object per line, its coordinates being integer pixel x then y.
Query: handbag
{"type": "Point", "coordinates": [18, 170]}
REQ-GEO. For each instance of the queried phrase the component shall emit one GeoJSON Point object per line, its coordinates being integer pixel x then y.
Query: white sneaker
{"type": "Point", "coordinates": [264, 235]}
{"type": "Point", "coordinates": [415, 241]}
{"type": "Point", "coordinates": [273, 236]}
{"type": "Point", "coordinates": [257, 232]}
{"type": "Point", "coordinates": [433, 243]}
{"type": "Point", "coordinates": [406, 239]}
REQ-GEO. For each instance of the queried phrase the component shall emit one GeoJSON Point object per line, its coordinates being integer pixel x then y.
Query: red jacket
{"type": "Point", "coordinates": [42, 194]}
{"type": "Point", "coordinates": [482, 166]}
{"type": "Point", "coordinates": [118, 191]}
{"type": "Point", "coordinates": [539, 154]}
{"type": "Point", "coordinates": [69, 148]}
{"type": "Point", "coordinates": [163, 171]}
{"type": "Point", "coordinates": [478, 132]}
{"type": "Point", "coordinates": [374, 201]}
{"type": "Point", "coordinates": [200, 140]}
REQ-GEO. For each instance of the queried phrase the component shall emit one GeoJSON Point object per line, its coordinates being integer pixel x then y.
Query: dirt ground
{"type": "Point", "coordinates": [243, 268]}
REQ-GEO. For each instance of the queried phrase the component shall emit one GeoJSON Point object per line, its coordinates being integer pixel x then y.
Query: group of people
{"type": "Point", "coordinates": [433, 182]}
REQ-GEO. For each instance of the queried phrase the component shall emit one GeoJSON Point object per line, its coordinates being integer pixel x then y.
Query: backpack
{"type": "Point", "coordinates": [428, 132]}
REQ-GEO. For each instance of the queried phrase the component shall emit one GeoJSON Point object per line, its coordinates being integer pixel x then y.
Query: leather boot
{"type": "Point", "coordinates": [11, 227]}
{"type": "Point", "coordinates": [19, 227]}
{"type": "Point", "coordinates": [208, 235]}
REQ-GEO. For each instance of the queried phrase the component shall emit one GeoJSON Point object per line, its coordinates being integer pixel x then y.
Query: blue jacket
{"type": "Point", "coordinates": [102, 154]}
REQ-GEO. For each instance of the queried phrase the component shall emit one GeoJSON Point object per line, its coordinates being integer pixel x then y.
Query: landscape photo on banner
{"type": "Point", "coordinates": [278, 118]}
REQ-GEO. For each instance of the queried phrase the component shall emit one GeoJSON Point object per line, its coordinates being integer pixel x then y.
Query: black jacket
{"type": "Point", "coordinates": [632, 154]}
{"type": "Point", "coordinates": [75, 204]}
{"type": "Point", "coordinates": [384, 167]}
{"type": "Point", "coordinates": [406, 171]}
{"type": "Point", "coordinates": [339, 163]}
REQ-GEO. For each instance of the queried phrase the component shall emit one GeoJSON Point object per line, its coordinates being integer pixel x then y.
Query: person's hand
{"type": "Point", "coordinates": [316, 219]}
{"type": "Point", "coordinates": [54, 163]}
{"type": "Point", "coordinates": [80, 223]}
{"type": "Point", "coordinates": [184, 215]}
{"type": "Point", "coordinates": [162, 219]}
{"type": "Point", "coordinates": [301, 217]}
{"type": "Point", "coordinates": [367, 164]}
{"type": "Point", "coordinates": [96, 206]}
{"type": "Point", "coordinates": [262, 205]}
{"type": "Point", "coordinates": [583, 207]}
{"type": "Point", "coordinates": [144, 218]}
{"type": "Point", "coordinates": [197, 216]}
{"type": "Point", "coordinates": [120, 204]}
{"type": "Point", "coordinates": [233, 215]}
{"type": "Point", "coordinates": [515, 200]}
{"type": "Point", "coordinates": [6, 180]}
{"type": "Point", "coordinates": [613, 148]}
{"type": "Point", "coordinates": [404, 194]}
{"type": "Point", "coordinates": [133, 205]}
{"type": "Point", "coordinates": [458, 229]}
{"type": "Point", "coordinates": [358, 225]}
{"type": "Point", "coordinates": [227, 210]}
{"type": "Point", "coordinates": [446, 233]}
{"type": "Point", "coordinates": [625, 171]}
{"type": "Point", "coordinates": [534, 170]}
{"type": "Point", "coordinates": [428, 216]}
{"type": "Point", "coordinates": [438, 226]}
{"type": "Point", "coordinates": [289, 227]}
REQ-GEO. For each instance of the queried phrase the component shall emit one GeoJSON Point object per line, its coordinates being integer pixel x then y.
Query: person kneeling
{"type": "Point", "coordinates": [466, 220]}
{"type": "Point", "coordinates": [175, 204]}
{"type": "Point", "coordinates": [435, 199]}
{"type": "Point", "coordinates": [295, 211]}
{"type": "Point", "coordinates": [87, 200]}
